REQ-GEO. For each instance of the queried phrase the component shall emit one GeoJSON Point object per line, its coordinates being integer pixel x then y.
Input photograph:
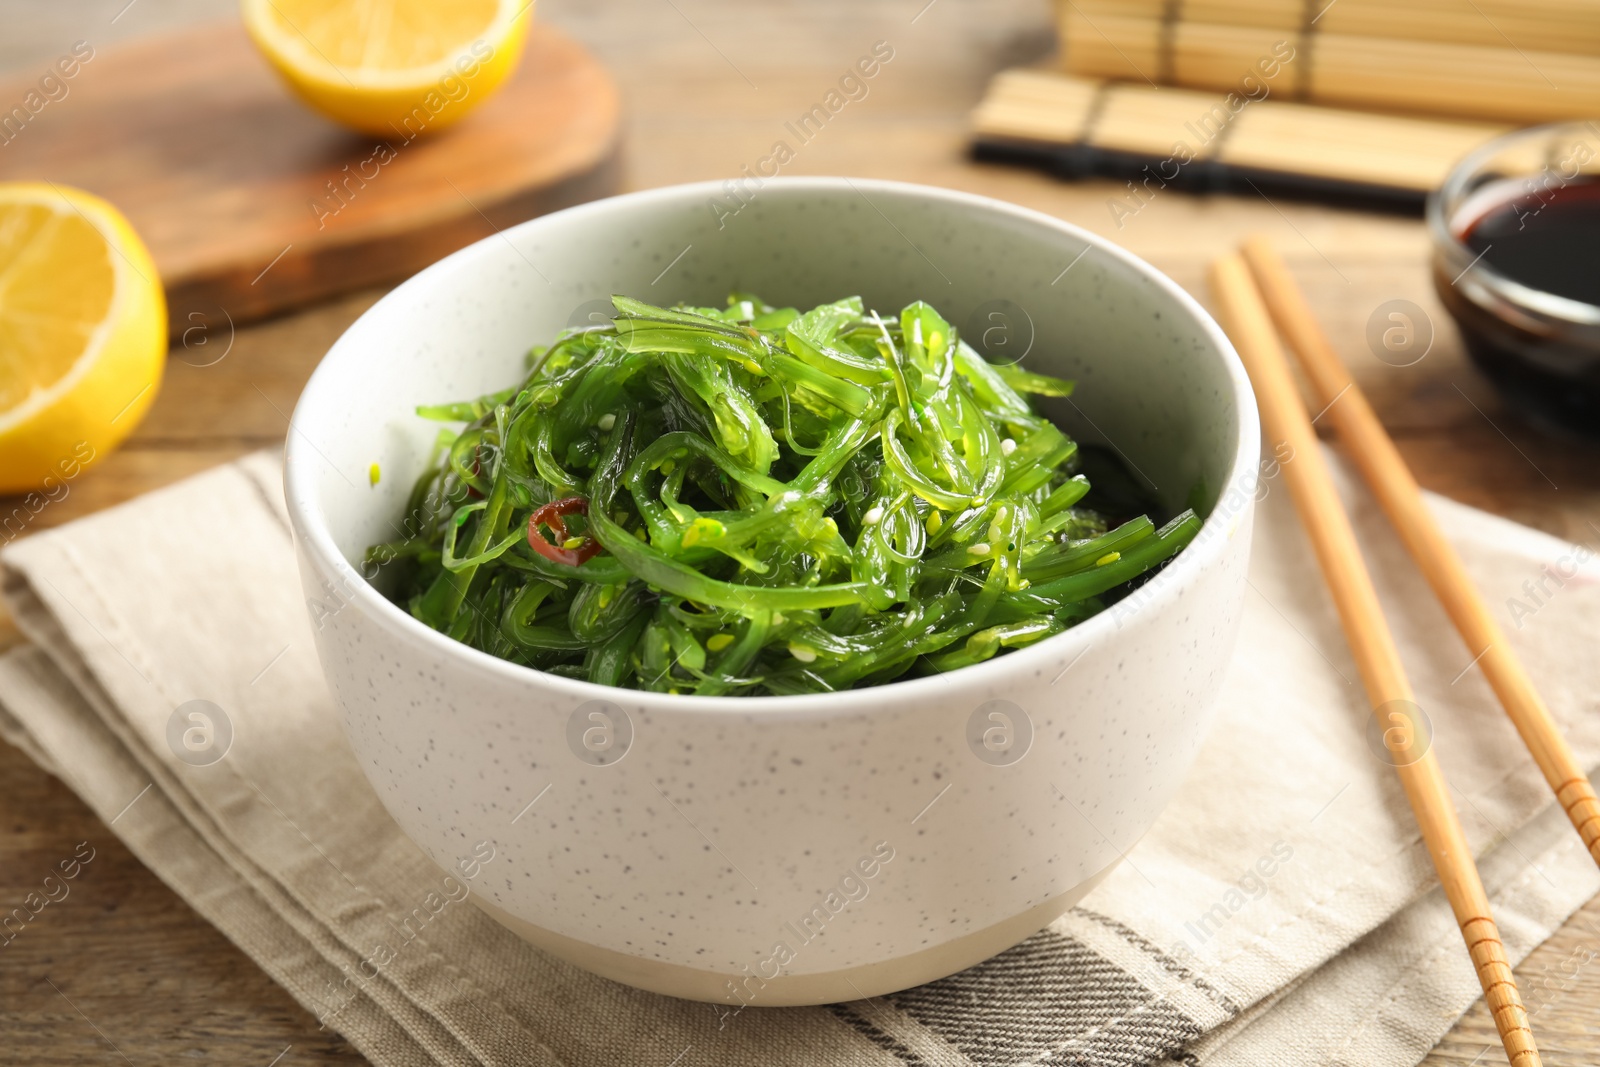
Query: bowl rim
{"type": "Point", "coordinates": [313, 537]}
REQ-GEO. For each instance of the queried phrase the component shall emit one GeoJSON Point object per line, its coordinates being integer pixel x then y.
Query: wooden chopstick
{"type": "Point", "coordinates": [1375, 455]}
{"type": "Point", "coordinates": [1284, 418]}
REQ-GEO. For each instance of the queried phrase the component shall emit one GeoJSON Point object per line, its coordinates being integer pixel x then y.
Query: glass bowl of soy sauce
{"type": "Point", "coordinates": [1516, 260]}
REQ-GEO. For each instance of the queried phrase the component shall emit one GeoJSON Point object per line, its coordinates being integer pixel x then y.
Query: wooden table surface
{"type": "Point", "coordinates": [125, 972]}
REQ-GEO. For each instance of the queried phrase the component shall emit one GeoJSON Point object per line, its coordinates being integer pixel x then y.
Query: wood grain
{"type": "Point", "coordinates": [252, 204]}
{"type": "Point", "coordinates": [690, 116]}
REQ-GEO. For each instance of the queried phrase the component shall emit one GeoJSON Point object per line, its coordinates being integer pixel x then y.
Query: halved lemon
{"type": "Point", "coordinates": [395, 68]}
{"type": "Point", "coordinates": [83, 332]}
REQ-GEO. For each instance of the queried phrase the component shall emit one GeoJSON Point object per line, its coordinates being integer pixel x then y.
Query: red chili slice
{"type": "Point", "coordinates": [551, 515]}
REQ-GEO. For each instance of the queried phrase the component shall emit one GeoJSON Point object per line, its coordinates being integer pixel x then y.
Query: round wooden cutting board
{"type": "Point", "coordinates": [251, 203]}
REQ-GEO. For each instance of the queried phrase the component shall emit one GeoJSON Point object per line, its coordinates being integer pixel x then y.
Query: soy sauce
{"type": "Point", "coordinates": [1549, 242]}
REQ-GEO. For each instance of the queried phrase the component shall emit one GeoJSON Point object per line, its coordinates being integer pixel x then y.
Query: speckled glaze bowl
{"type": "Point", "coordinates": [803, 849]}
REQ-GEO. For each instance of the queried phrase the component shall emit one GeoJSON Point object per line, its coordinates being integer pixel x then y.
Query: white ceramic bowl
{"type": "Point", "coordinates": [702, 846]}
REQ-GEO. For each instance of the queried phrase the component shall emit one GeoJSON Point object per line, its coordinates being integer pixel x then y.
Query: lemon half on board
{"type": "Point", "coordinates": [83, 332]}
{"type": "Point", "coordinates": [394, 68]}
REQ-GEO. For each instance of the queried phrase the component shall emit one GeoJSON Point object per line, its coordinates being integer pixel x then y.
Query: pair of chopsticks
{"type": "Point", "coordinates": [1258, 298]}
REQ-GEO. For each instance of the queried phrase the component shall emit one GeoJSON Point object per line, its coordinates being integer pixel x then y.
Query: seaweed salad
{"type": "Point", "coordinates": [760, 501]}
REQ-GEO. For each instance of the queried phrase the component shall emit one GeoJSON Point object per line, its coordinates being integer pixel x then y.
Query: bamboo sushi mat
{"type": "Point", "coordinates": [1157, 136]}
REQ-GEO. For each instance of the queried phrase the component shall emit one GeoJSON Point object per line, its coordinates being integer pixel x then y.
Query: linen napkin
{"type": "Point", "coordinates": [1282, 910]}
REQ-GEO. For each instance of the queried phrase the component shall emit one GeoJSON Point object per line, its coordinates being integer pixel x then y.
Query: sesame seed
{"type": "Point", "coordinates": [802, 653]}
{"type": "Point", "coordinates": [996, 529]}
{"type": "Point", "coordinates": [1109, 557]}
{"type": "Point", "coordinates": [982, 548]}
{"type": "Point", "coordinates": [873, 516]}
{"type": "Point", "coordinates": [607, 421]}
{"type": "Point", "coordinates": [1007, 446]}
